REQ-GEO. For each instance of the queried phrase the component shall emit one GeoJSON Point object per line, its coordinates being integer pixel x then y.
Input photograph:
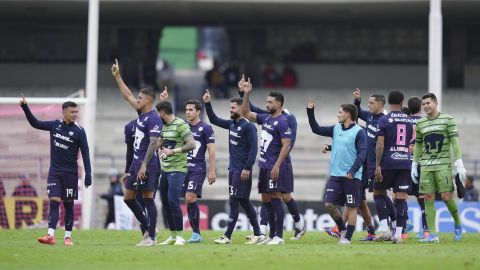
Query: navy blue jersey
{"type": "Point", "coordinates": [274, 129]}
{"type": "Point", "coordinates": [397, 128]}
{"type": "Point", "coordinates": [147, 125]}
{"type": "Point", "coordinates": [65, 141]}
{"type": "Point", "coordinates": [371, 129]}
{"type": "Point", "coordinates": [243, 140]}
{"type": "Point", "coordinates": [203, 135]}
{"type": "Point", "coordinates": [292, 123]}
{"type": "Point", "coordinates": [129, 132]}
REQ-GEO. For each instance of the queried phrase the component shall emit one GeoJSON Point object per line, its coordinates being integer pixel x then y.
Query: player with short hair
{"type": "Point", "coordinates": [349, 150]}
{"type": "Point", "coordinates": [144, 171]}
{"type": "Point", "coordinates": [392, 164]}
{"type": "Point", "coordinates": [287, 198]}
{"type": "Point", "coordinates": [242, 148]}
{"type": "Point", "coordinates": [274, 148]}
{"type": "Point", "coordinates": [175, 141]}
{"type": "Point", "coordinates": [66, 139]}
{"type": "Point", "coordinates": [197, 168]}
{"type": "Point", "coordinates": [435, 134]}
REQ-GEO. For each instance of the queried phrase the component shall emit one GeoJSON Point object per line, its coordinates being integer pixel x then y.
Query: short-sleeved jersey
{"type": "Point", "coordinates": [435, 135]}
{"type": "Point", "coordinates": [173, 136]}
{"type": "Point", "coordinates": [147, 125]}
{"type": "Point", "coordinates": [273, 131]}
{"type": "Point", "coordinates": [397, 129]}
{"type": "Point", "coordinates": [203, 135]}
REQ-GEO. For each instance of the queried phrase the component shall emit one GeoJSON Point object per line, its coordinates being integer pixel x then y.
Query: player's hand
{"type": "Point", "coordinates": [212, 177]}
{"type": "Point", "coordinates": [164, 94]}
{"type": "Point", "coordinates": [274, 172]}
{"type": "Point", "coordinates": [166, 152]}
{"type": "Point", "coordinates": [115, 69]}
{"type": "Point", "coordinates": [326, 148]}
{"type": "Point", "coordinates": [88, 181]}
{"type": "Point", "coordinates": [411, 147]}
{"type": "Point", "coordinates": [241, 82]}
{"type": "Point", "coordinates": [246, 86]}
{"type": "Point", "coordinates": [378, 174]}
{"type": "Point", "coordinates": [206, 97]}
{"type": "Point", "coordinates": [414, 172]}
{"type": "Point", "coordinates": [356, 94]}
{"type": "Point", "coordinates": [245, 175]}
{"type": "Point", "coordinates": [310, 104]}
{"type": "Point", "coordinates": [462, 172]}
{"type": "Point", "coordinates": [349, 176]}
{"type": "Point", "coordinates": [23, 101]}
{"type": "Point", "coordinates": [142, 173]}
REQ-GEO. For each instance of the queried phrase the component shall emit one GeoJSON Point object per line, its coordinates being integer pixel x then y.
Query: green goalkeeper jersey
{"type": "Point", "coordinates": [435, 136]}
{"type": "Point", "coordinates": [173, 136]}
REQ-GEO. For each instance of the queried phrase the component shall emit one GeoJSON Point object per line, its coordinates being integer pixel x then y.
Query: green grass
{"type": "Point", "coordinates": [116, 250]}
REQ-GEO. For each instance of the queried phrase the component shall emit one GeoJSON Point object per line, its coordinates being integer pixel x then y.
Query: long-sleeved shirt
{"type": "Point", "coordinates": [65, 141]}
{"type": "Point", "coordinates": [371, 128]}
{"type": "Point", "coordinates": [243, 140]}
{"type": "Point", "coordinates": [129, 131]}
{"type": "Point", "coordinates": [344, 161]}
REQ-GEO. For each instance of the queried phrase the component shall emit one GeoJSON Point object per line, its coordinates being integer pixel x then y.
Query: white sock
{"type": "Point", "coordinates": [51, 232]}
{"type": "Point", "coordinates": [398, 232]}
{"type": "Point", "coordinates": [263, 229]}
{"type": "Point", "coordinates": [68, 234]}
{"type": "Point", "coordinates": [394, 224]}
{"type": "Point", "coordinates": [383, 225]}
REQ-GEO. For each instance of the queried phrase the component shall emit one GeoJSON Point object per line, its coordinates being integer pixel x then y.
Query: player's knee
{"type": "Point", "coordinates": [429, 196]}
{"type": "Point", "coordinates": [266, 197]}
{"type": "Point", "coordinates": [56, 199]}
{"type": "Point", "coordinates": [446, 196]}
{"type": "Point", "coordinates": [378, 192]}
{"type": "Point", "coordinates": [286, 197]}
{"type": "Point", "coordinates": [330, 207]}
{"type": "Point", "coordinates": [190, 198]}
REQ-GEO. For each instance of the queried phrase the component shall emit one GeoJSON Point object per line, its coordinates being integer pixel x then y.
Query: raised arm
{"type": "Point", "coordinates": [362, 114]}
{"type": "Point", "coordinates": [246, 86]}
{"type": "Point", "coordinates": [124, 90]}
{"type": "Point", "coordinates": [326, 131]}
{"type": "Point", "coordinates": [86, 159]}
{"type": "Point", "coordinates": [34, 122]}
{"type": "Point", "coordinates": [223, 123]}
{"type": "Point", "coordinates": [253, 108]}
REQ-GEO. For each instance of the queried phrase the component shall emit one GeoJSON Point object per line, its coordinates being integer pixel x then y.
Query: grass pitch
{"type": "Point", "coordinates": [116, 250]}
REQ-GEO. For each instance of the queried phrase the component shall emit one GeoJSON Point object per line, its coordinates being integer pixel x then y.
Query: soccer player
{"type": "Point", "coordinates": [66, 138]}
{"type": "Point", "coordinates": [243, 151]}
{"type": "Point", "coordinates": [394, 135]}
{"type": "Point", "coordinates": [175, 142]}
{"type": "Point", "coordinates": [144, 170]}
{"type": "Point", "coordinates": [197, 168]}
{"type": "Point", "coordinates": [376, 105]}
{"type": "Point", "coordinates": [287, 195]}
{"type": "Point", "coordinates": [435, 134]}
{"type": "Point", "coordinates": [349, 150]}
{"type": "Point", "coordinates": [274, 148]}
{"type": "Point", "coordinates": [415, 110]}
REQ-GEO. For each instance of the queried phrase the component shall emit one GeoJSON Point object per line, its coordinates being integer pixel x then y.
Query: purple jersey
{"type": "Point", "coordinates": [147, 125]}
{"type": "Point", "coordinates": [129, 132]}
{"type": "Point", "coordinates": [203, 135]}
{"type": "Point", "coordinates": [397, 129]}
{"type": "Point", "coordinates": [273, 131]}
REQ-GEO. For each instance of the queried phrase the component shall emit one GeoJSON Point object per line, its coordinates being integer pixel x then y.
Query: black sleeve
{"type": "Point", "coordinates": [326, 131]}
{"type": "Point", "coordinates": [223, 123]}
{"type": "Point", "coordinates": [34, 122]}
{"type": "Point", "coordinates": [128, 157]}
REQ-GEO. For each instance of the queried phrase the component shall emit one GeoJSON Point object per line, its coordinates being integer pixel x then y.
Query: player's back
{"type": "Point", "coordinates": [397, 129]}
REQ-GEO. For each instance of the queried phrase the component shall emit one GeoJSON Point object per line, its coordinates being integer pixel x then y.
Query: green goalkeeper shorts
{"type": "Point", "coordinates": [436, 181]}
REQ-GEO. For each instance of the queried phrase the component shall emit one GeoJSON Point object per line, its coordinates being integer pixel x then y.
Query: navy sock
{"type": "Point", "coordinates": [350, 230]}
{"type": "Point", "coordinates": [251, 214]}
{"type": "Point", "coordinates": [68, 215]}
{"type": "Point", "coordinates": [421, 202]}
{"type": "Point", "coordinates": [139, 199]}
{"type": "Point", "coordinates": [138, 212]}
{"type": "Point", "coordinates": [151, 216]}
{"type": "Point", "coordinates": [271, 218]}
{"type": "Point", "coordinates": [263, 215]}
{"type": "Point", "coordinates": [401, 209]}
{"type": "Point", "coordinates": [194, 216]}
{"type": "Point", "coordinates": [279, 216]}
{"type": "Point", "coordinates": [293, 209]}
{"type": "Point", "coordinates": [390, 207]}
{"type": "Point", "coordinates": [381, 208]}
{"type": "Point", "coordinates": [371, 230]}
{"type": "Point", "coordinates": [340, 224]}
{"type": "Point", "coordinates": [53, 214]}
{"type": "Point", "coordinates": [232, 219]}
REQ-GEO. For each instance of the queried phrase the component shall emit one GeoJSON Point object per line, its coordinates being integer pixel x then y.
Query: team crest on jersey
{"type": "Point", "coordinates": [390, 120]}
{"type": "Point", "coordinates": [200, 128]}
{"type": "Point", "coordinates": [239, 128]}
{"type": "Point", "coordinates": [70, 133]}
{"type": "Point", "coordinates": [275, 123]}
